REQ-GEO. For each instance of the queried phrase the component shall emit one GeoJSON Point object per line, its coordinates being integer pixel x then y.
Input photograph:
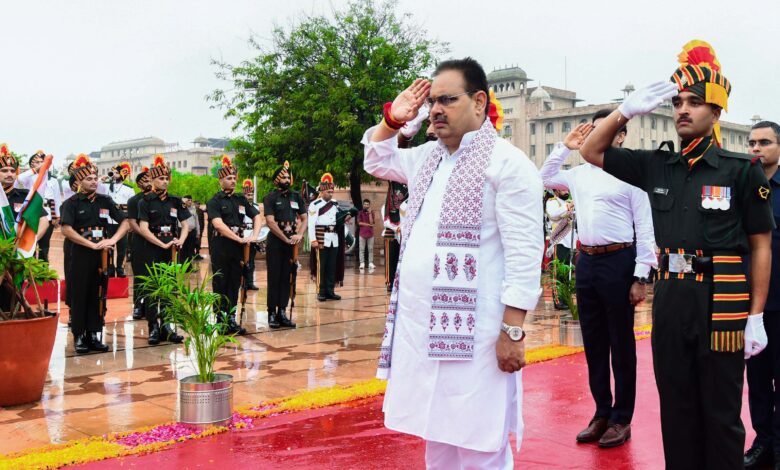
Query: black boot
{"type": "Point", "coordinates": [333, 296]}
{"type": "Point", "coordinates": [758, 456]}
{"type": "Point", "coordinates": [169, 335]}
{"type": "Point", "coordinates": [273, 319]}
{"type": "Point", "coordinates": [252, 287]}
{"type": "Point", "coordinates": [233, 327]}
{"type": "Point", "coordinates": [284, 321]}
{"type": "Point", "coordinates": [111, 271]}
{"type": "Point", "coordinates": [120, 272]}
{"type": "Point", "coordinates": [154, 333]}
{"type": "Point", "coordinates": [137, 313]}
{"type": "Point", "coordinates": [80, 343]}
{"type": "Point", "coordinates": [322, 297]}
{"type": "Point", "coordinates": [95, 344]}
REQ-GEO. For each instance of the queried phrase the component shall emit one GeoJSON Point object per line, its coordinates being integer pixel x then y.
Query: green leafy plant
{"type": "Point", "coordinates": [16, 270]}
{"type": "Point", "coordinates": [565, 284]}
{"type": "Point", "coordinates": [189, 305]}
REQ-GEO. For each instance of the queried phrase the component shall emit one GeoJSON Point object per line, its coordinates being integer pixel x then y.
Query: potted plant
{"type": "Point", "coordinates": [26, 333]}
{"type": "Point", "coordinates": [565, 284]}
{"type": "Point", "coordinates": [205, 398]}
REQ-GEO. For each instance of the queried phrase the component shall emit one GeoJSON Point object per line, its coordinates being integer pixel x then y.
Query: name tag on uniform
{"type": "Point", "coordinates": [165, 229]}
{"type": "Point", "coordinates": [716, 197]}
{"type": "Point", "coordinates": [241, 210]}
{"type": "Point", "coordinates": [173, 212]}
{"type": "Point", "coordinates": [17, 206]}
{"type": "Point", "coordinates": [294, 204]}
{"type": "Point", "coordinates": [663, 191]}
{"type": "Point", "coordinates": [97, 233]}
{"type": "Point", "coordinates": [104, 213]}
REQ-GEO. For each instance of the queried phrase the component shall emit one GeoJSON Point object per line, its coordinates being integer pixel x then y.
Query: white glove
{"type": "Point", "coordinates": [647, 99]}
{"type": "Point", "coordinates": [411, 128]}
{"type": "Point", "coordinates": [755, 335]}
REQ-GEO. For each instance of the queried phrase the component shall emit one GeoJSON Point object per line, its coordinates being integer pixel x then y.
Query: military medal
{"type": "Point", "coordinates": [706, 197]}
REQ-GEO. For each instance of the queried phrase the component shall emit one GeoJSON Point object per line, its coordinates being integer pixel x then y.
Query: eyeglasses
{"type": "Point", "coordinates": [446, 100]}
{"type": "Point", "coordinates": [760, 143]}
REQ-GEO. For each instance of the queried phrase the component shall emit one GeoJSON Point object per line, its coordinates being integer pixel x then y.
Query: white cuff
{"type": "Point", "coordinates": [642, 270]}
{"type": "Point", "coordinates": [519, 297]}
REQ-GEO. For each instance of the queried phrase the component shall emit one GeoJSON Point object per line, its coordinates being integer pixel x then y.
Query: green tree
{"type": "Point", "coordinates": [309, 95]}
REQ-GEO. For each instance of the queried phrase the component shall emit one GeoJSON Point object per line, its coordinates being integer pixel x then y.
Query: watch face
{"type": "Point", "coordinates": [515, 333]}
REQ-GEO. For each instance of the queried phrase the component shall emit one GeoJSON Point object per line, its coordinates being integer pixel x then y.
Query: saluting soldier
{"type": "Point", "coordinates": [710, 207]}
{"type": "Point", "coordinates": [85, 219]}
{"type": "Point", "coordinates": [324, 238]}
{"type": "Point", "coordinates": [137, 241]}
{"type": "Point", "coordinates": [159, 214]}
{"type": "Point", "coordinates": [113, 186]}
{"type": "Point", "coordinates": [285, 215]}
{"type": "Point", "coordinates": [51, 199]}
{"type": "Point", "coordinates": [226, 224]}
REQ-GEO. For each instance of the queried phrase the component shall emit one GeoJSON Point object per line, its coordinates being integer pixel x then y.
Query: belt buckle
{"type": "Point", "coordinates": [680, 263]}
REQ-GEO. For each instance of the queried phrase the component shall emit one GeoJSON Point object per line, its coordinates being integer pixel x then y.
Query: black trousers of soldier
{"type": "Point", "coordinates": [155, 254]}
{"type": "Point", "coordinates": [763, 378]}
{"type": "Point", "coordinates": [226, 259]}
{"type": "Point", "coordinates": [328, 260]}
{"type": "Point", "coordinates": [250, 272]}
{"type": "Point", "coordinates": [120, 247]}
{"type": "Point", "coordinates": [189, 249]}
{"type": "Point", "coordinates": [278, 256]}
{"type": "Point", "coordinates": [82, 282]}
{"type": "Point", "coordinates": [138, 263]}
{"type": "Point", "coordinates": [393, 251]}
{"type": "Point", "coordinates": [44, 242]}
{"type": "Point", "coordinates": [700, 390]}
{"type": "Point", "coordinates": [607, 322]}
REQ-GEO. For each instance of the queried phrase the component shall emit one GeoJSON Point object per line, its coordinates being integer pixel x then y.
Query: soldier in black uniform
{"type": "Point", "coordinates": [137, 241]}
{"type": "Point", "coordinates": [285, 215]}
{"type": "Point", "coordinates": [84, 222]}
{"type": "Point", "coordinates": [16, 197]}
{"type": "Point", "coordinates": [226, 223]}
{"type": "Point", "coordinates": [159, 214]}
{"type": "Point", "coordinates": [710, 207]}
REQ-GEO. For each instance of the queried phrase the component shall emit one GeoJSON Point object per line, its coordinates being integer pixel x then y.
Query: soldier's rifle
{"type": "Point", "coordinates": [102, 286]}
{"type": "Point", "coordinates": [244, 274]}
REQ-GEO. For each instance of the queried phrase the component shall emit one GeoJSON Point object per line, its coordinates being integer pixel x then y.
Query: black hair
{"type": "Point", "coordinates": [187, 197]}
{"type": "Point", "coordinates": [602, 113]}
{"type": "Point", "coordinates": [473, 75]}
{"type": "Point", "coordinates": [33, 157]}
{"type": "Point", "coordinates": [768, 124]}
{"type": "Point", "coordinates": [366, 200]}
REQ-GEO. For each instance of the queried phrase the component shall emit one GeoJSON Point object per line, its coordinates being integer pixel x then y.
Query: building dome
{"type": "Point", "coordinates": [540, 94]}
{"type": "Point", "coordinates": [200, 140]}
{"type": "Point", "coordinates": [507, 75]}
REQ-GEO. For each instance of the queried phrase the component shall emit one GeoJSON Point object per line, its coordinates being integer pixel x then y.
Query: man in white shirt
{"type": "Point", "coordinates": [113, 186]}
{"type": "Point", "coordinates": [324, 237]}
{"type": "Point", "coordinates": [560, 216]}
{"type": "Point", "coordinates": [467, 275]}
{"type": "Point", "coordinates": [52, 199]}
{"type": "Point", "coordinates": [617, 252]}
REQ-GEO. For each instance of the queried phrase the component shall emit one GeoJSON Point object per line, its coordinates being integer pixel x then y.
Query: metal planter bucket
{"type": "Point", "coordinates": [204, 404]}
{"type": "Point", "coordinates": [570, 332]}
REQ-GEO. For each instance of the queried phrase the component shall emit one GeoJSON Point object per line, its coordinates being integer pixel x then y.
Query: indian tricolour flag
{"type": "Point", "coordinates": [30, 214]}
{"type": "Point", "coordinates": [7, 221]}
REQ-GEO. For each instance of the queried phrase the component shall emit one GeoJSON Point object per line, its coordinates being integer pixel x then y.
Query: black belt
{"type": "Point", "coordinates": [122, 207]}
{"type": "Point", "coordinates": [326, 228]}
{"type": "Point", "coordinates": [685, 263]}
{"type": "Point", "coordinates": [237, 229]}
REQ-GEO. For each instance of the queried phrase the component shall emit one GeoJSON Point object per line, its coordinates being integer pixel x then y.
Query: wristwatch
{"type": "Point", "coordinates": [642, 280]}
{"type": "Point", "coordinates": [515, 333]}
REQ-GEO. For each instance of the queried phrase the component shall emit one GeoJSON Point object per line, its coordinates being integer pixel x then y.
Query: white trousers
{"type": "Point", "coordinates": [440, 456]}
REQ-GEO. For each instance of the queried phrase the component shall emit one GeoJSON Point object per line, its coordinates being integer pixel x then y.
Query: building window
{"type": "Point", "coordinates": [642, 122]}
{"type": "Point", "coordinates": [533, 128]}
{"type": "Point", "coordinates": [654, 145]}
{"type": "Point", "coordinates": [548, 128]}
{"type": "Point", "coordinates": [533, 150]}
{"type": "Point", "coordinates": [548, 105]}
{"type": "Point", "coordinates": [566, 126]}
{"type": "Point", "coordinates": [508, 111]}
{"type": "Point", "coordinates": [666, 125]}
{"type": "Point", "coordinates": [583, 121]}
{"type": "Point", "coordinates": [185, 163]}
{"type": "Point", "coordinates": [740, 141]}
{"type": "Point", "coordinates": [653, 124]}
{"type": "Point", "coordinates": [507, 131]}
{"type": "Point", "coordinates": [732, 138]}
{"type": "Point", "coordinates": [549, 148]}
{"type": "Point", "coordinates": [642, 145]}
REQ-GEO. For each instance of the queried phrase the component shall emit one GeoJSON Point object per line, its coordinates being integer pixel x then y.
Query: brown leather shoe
{"type": "Point", "coordinates": [596, 428]}
{"type": "Point", "coordinates": [616, 435]}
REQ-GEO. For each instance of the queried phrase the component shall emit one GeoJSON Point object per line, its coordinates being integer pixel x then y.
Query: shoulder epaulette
{"type": "Point", "coordinates": [739, 155]}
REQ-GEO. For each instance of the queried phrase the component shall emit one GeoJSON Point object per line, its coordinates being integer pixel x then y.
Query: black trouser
{"type": "Point", "coordinates": [328, 263]}
{"type": "Point", "coordinates": [83, 287]}
{"type": "Point", "coordinates": [278, 256]}
{"type": "Point", "coordinates": [44, 242]}
{"type": "Point", "coordinates": [763, 378]}
{"type": "Point", "coordinates": [392, 251]}
{"type": "Point", "coordinates": [562, 254]}
{"type": "Point", "coordinates": [155, 254]}
{"type": "Point", "coordinates": [607, 321]}
{"type": "Point", "coordinates": [138, 263]}
{"type": "Point", "coordinates": [249, 274]}
{"type": "Point", "coordinates": [121, 245]}
{"type": "Point", "coordinates": [226, 257]}
{"type": "Point", "coordinates": [188, 249]}
{"type": "Point", "coordinates": [700, 390]}
{"type": "Point", "coordinates": [67, 253]}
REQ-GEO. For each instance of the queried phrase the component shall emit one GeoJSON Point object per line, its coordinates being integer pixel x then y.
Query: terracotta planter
{"type": "Point", "coordinates": [25, 350]}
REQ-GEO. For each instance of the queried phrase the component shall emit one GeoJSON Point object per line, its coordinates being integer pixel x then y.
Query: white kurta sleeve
{"type": "Point", "coordinates": [519, 217]}
{"type": "Point", "coordinates": [643, 228]}
{"type": "Point", "coordinates": [386, 161]}
{"type": "Point", "coordinates": [555, 209]}
{"type": "Point", "coordinates": [552, 176]}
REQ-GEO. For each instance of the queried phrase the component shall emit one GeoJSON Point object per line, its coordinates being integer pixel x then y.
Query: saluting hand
{"type": "Point", "coordinates": [406, 105]}
{"type": "Point", "coordinates": [577, 136]}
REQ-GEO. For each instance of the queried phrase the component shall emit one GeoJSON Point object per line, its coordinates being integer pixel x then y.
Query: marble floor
{"type": "Point", "coordinates": [135, 385]}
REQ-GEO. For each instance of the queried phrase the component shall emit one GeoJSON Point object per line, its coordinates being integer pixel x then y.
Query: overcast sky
{"type": "Point", "coordinates": [79, 74]}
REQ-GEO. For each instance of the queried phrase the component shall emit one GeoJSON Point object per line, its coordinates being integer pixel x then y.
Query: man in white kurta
{"type": "Point", "coordinates": [464, 409]}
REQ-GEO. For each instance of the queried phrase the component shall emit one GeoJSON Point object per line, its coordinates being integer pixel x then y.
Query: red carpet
{"type": "Point", "coordinates": [557, 406]}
